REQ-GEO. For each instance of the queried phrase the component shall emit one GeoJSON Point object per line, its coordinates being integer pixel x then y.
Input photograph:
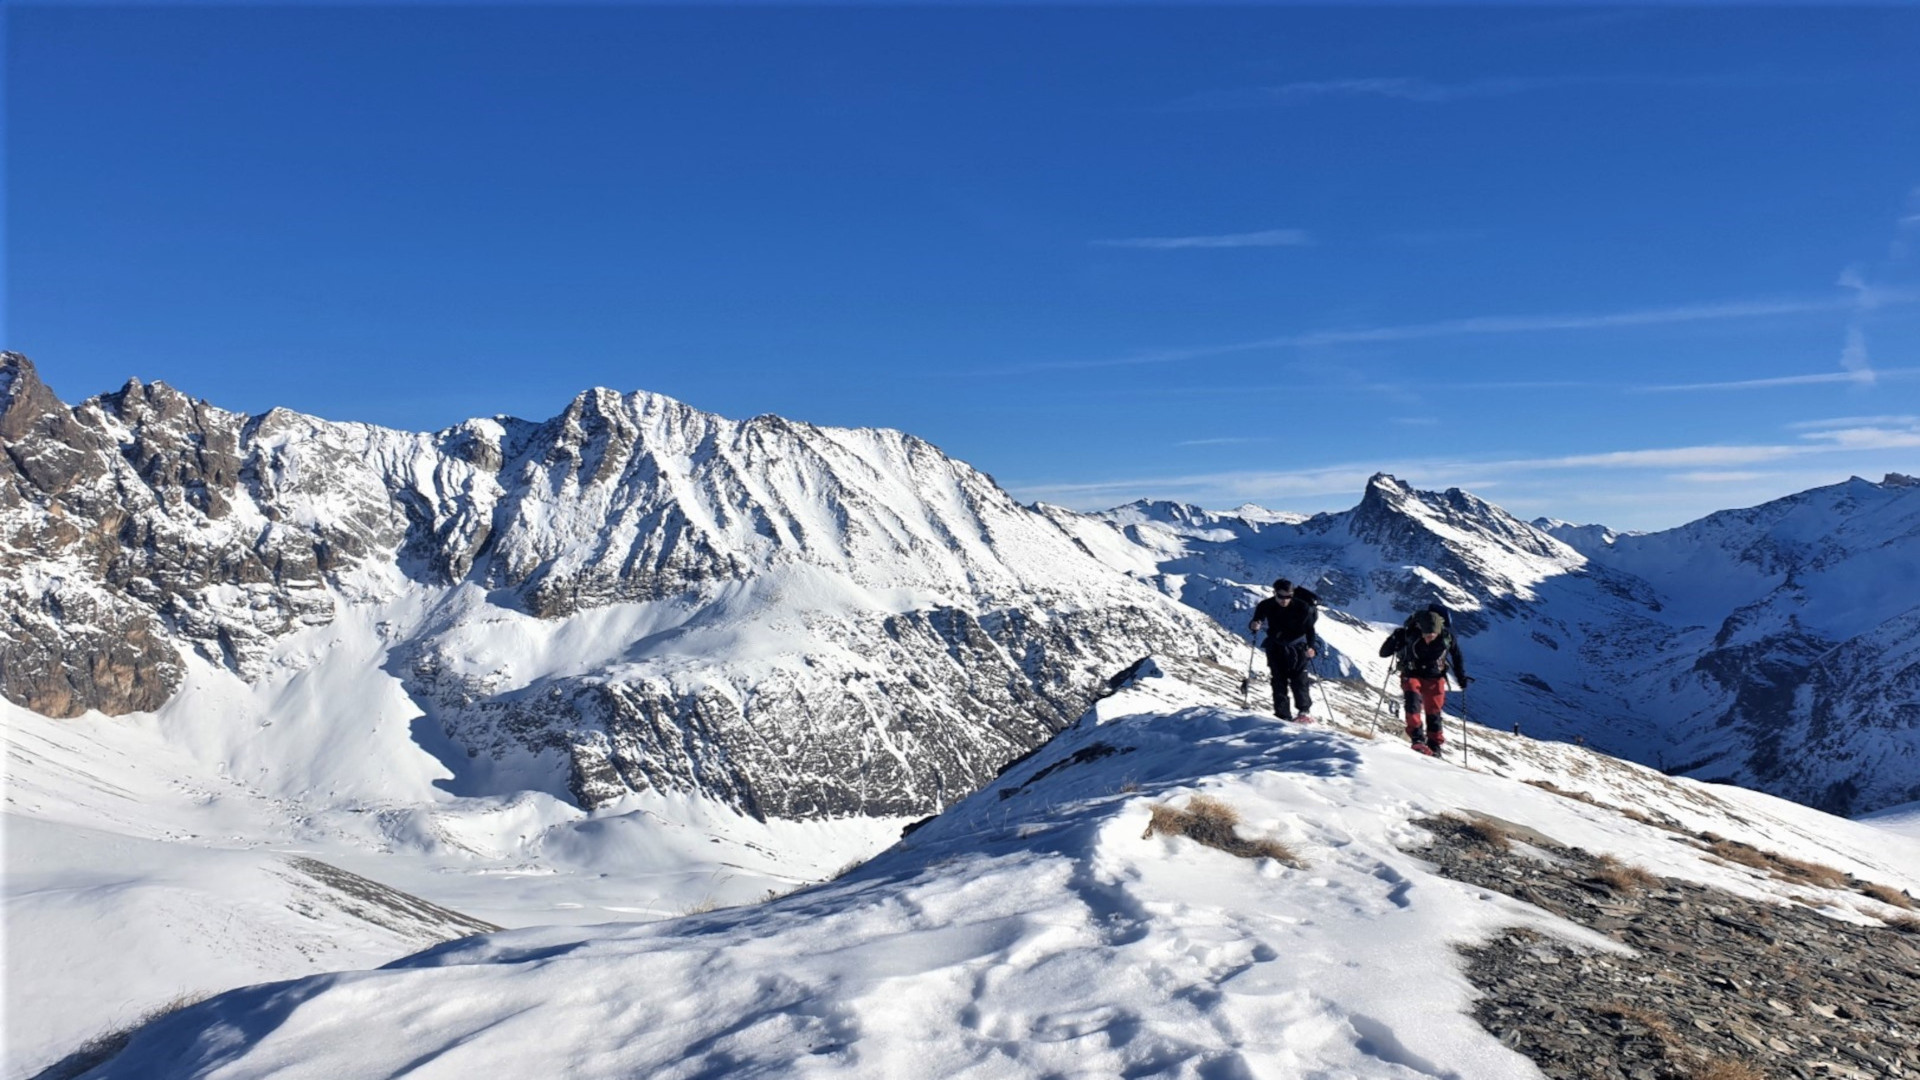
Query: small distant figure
{"type": "Point", "coordinates": [1289, 616]}
{"type": "Point", "coordinates": [1426, 651]}
{"type": "Point", "coordinates": [1579, 740]}
{"type": "Point", "coordinates": [1516, 729]}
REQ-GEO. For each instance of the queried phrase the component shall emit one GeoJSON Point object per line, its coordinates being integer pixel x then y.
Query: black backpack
{"type": "Point", "coordinates": [1411, 634]}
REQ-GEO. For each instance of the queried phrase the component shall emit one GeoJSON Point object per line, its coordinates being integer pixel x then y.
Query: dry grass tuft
{"type": "Point", "coordinates": [1905, 924]}
{"type": "Point", "coordinates": [1623, 877]}
{"type": "Point", "coordinates": [1719, 1068]}
{"type": "Point", "coordinates": [1211, 822]}
{"type": "Point", "coordinates": [1661, 822]}
{"type": "Point", "coordinates": [1786, 868]}
{"type": "Point", "coordinates": [1490, 833]}
{"type": "Point", "coordinates": [1654, 1023]}
{"type": "Point", "coordinates": [1688, 1063]}
{"type": "Point", "coordinates": [106, 1045]}
{"type": "Point", "coordinates": [1887, 894]}
{"type": "Point", "coordinates": [1576, 796]}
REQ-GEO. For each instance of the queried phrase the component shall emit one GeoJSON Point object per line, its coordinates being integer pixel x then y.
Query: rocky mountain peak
{"type": "Point", "coordinates": [1408, 522]}
{"type": "Point", "coordinates": [839, 620]}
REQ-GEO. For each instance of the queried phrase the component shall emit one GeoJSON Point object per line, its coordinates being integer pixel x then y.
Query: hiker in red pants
{"type": "Point", "coordinates": [1426, 651]}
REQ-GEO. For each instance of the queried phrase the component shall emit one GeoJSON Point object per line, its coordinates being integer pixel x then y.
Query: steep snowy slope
{"type": "Point", "coordinates": [633, 596]}
{"type": "Point", "coordinates": [1041, 928]}
{"type": "Point", "coordinates": [1799, 620]}
{"type": "Point", "coordinates": [1770, 647]}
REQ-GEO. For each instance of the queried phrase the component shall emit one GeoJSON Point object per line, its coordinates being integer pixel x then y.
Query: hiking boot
{"type": "Point", "coordinates": [1303, 718]}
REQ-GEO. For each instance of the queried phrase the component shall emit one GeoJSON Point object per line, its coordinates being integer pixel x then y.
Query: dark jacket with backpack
{"type": "Point", "coordinates": [1423, 659]}
{"type": "Point", "coordinates": [1288, 625]}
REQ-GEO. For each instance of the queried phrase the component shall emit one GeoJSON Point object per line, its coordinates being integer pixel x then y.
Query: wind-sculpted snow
{"type": "Point", "coordinates": [1040, 929]}
{"type": "Point", "coordinates": [828, 621]}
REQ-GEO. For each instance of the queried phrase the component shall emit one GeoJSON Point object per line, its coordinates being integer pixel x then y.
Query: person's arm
{"type": "Point", "coordinates": [1459, 665]}
{"type": "Point", "coordinates": [1253, 625]}
{"type": "Point", "coordinates": [1313, 637]}
{"type": "Point", "coordinates": [1392, 644]}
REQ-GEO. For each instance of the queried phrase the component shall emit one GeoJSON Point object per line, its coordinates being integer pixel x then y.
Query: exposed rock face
{"type": "Point", "coordinates": [144, 520]}
{"type": "Point", "coordinates": [1713, 977]}
{"type": "Point", "coordinates": [828, 621]}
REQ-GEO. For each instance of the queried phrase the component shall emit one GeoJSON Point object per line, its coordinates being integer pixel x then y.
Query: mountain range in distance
{"type": "Point", "coordinates": [809, 623]}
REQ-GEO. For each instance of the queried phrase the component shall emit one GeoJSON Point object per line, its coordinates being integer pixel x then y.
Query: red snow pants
{"type": "Point", "coordinates": [1427, 695]}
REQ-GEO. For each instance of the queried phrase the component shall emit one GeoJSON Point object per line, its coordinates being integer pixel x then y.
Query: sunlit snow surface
{"type": "Point", "coordinates": [1040, 933]}
{"type": "Point", "coordinates": [159, 855]}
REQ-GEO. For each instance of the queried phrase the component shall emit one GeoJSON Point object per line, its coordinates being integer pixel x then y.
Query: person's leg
{"type": "Point", "coordinates": [1410, 690]}
{"type": "Point", "coordinates": [1433, 700]}
{"type": "Point", "coordinates": [1301, 679]}
{"type": "Point", "coordinates": [1277, 671]}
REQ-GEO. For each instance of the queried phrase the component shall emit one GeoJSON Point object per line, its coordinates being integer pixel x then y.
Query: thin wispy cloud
{"type": "Point", "coordinates": [1854, 421]}
{"type": "Point", "coordinates": [1875, 437]}
{"type": "Point", "coordinates": [1905, 230]}
{"type": "Point", "coordinates": [1864, 378]}
{"type": "Point", "coordinates": [1425, 91]}
{"type": "Point", "coordinates": [1486, 325]}
{"type": "Point", "coordinates": [1719, 477]}
{"type": "Point", "coordinates": [1691, 465]}
{"type": "Point", "coordinates": [1263, 238]}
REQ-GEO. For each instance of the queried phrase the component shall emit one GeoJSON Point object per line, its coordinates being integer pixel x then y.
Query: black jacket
{"type": "Point", "coordinates": [1287, 624]}
{"type": "Point", "coordinates": [1423, 659]}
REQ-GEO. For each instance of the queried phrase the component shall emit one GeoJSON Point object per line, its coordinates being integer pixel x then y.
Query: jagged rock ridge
{"type": "Point", "coordinates": [825, 621]}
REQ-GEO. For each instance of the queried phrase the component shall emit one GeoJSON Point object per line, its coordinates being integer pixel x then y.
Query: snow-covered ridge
{"type": "Point", "coordinates": [1039, 928]}
{"type": "Point", "coordinates": [1771, 647]}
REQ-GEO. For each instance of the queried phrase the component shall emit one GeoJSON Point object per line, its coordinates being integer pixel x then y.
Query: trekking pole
{"type": "Point", "coordinates": [1246, 681]}
{"type": "Point", "coordinates": [1373, 724]}
{"type": "Point", "coordinates": [1466, 750]}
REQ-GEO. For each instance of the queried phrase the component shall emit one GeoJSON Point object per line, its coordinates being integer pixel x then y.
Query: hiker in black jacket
{"type": "Point", "coordinates": [1426, 651]}
{"type": "Point", "coordinates": [1288, 615]}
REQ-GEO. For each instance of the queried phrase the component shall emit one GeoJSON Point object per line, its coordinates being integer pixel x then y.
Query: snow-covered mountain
{"type": "Point", "coordinates": [288, 695]}
{"type": "Point", "coordinates": [1772, 647]}
{"type": "Point", "coordinates": [632, 596]}
{"type": "Point", "coordinates": [1548, 912]}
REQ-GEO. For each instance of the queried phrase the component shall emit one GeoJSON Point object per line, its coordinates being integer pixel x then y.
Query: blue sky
{"type": "Point", "coordinates": [1627, 266]}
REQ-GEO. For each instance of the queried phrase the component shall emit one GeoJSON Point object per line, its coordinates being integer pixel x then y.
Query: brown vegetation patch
{"type": "Point", "coordinates": [1658, 821]}
{"type": "Point", "coordinates": [1887, 894]}
{"type": "Point", "coordinates": [1623, 877]}
{"type": "Point", "coordinates": [1489, 834]}
{"type": "Point", "coordinates": [106, 1045]}
{"type": "Point", "coordinates": [1212, 822]}
{"type": "Point", "coordinates": [1784, 867]}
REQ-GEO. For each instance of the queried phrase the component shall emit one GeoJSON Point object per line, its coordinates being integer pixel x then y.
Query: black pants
{"type": "Point", "coordinates": [1288, 666]}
